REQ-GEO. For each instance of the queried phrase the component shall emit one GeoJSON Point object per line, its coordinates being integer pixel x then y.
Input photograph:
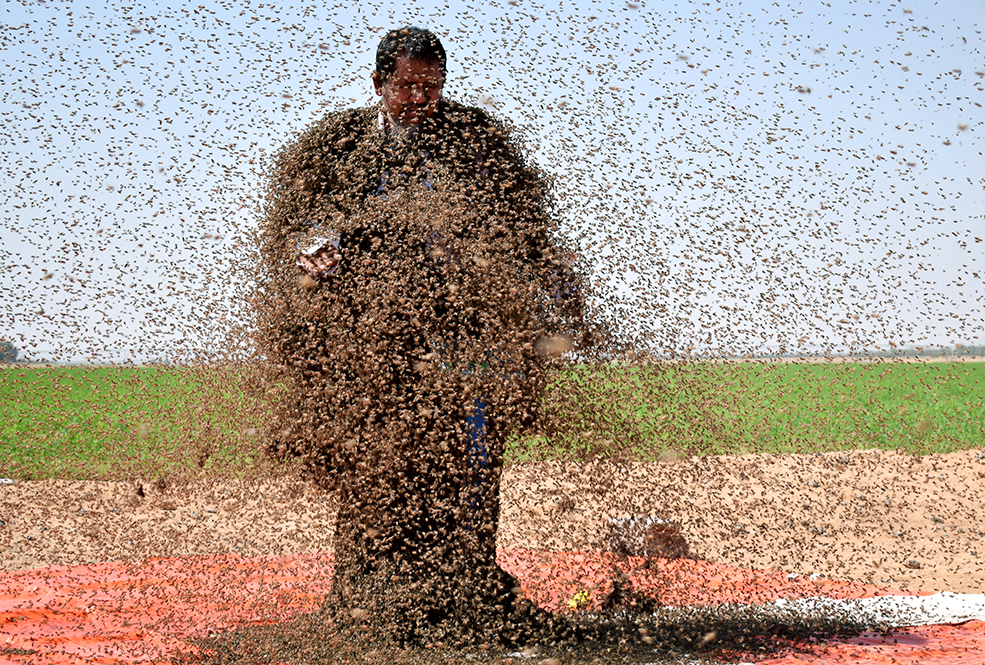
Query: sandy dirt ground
{"type": "Point", "coordinates": [886, 518]}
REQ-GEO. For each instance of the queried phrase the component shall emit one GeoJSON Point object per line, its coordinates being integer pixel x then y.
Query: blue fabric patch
{"type": "Point", "coordinates": [478, 457]}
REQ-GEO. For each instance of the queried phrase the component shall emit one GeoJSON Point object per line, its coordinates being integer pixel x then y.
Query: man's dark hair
{"type": "Point", "coordinates": [416, 43]}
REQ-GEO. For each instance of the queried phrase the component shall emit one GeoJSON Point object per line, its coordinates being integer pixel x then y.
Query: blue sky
{"type": "Point", "coordinates": [739, 175]}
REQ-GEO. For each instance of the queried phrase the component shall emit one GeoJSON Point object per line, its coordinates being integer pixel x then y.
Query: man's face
{"type": "Point", "coordinates": [411, 93]}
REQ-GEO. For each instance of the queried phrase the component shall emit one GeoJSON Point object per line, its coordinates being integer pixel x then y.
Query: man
{"type": "Point", "coordinates": [409, 275]}
{"type": "Point", "coordinates": [410, 82]}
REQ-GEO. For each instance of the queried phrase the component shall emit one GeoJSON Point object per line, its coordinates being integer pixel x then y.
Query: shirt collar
{"type": "Point", "coordinates": [391, 129]}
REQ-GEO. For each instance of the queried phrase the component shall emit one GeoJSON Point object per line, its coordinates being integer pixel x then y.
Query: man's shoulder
{"type": "Point", "coordinates": [477, 126]}
{"type": "Point", "coordinates": [463, 115]}
{"type": "Point", "coordinates": [339, 125]}
{"type": "Point", "coordinates": [358, 116]}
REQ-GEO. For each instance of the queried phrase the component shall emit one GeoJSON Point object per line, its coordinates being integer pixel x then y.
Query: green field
{"type": "Point", "coordinates": [88, 422]}
{"type": "Point", "coordinates": [81, 422]}
{"type": "Point", "coordinates": [735, 408]}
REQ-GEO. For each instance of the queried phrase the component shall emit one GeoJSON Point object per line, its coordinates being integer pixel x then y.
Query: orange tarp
{"type": "Point", "coordinates": [140, 612]}
{"type": "Point", "coordinates": [550, 579]}
{"type": "Point", "coordinates": [117, 613]}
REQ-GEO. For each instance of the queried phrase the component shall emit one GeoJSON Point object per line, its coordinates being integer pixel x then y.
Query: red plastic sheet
{"type": "Point", "coordinates": [116, 613]}
{"type": "Point", "coordinates": [551, 579]}
{"type": "Point", "coordinates": [121, 613]}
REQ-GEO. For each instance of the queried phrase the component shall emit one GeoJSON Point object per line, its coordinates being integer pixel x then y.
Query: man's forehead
{"type": "Point", "coordinates": [408, 68]}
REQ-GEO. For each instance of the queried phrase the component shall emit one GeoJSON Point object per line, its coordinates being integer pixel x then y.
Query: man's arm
{"type": "Point", "coordinates": [528, 196]}
{"type": "Point", "coordinates": [307, 197]}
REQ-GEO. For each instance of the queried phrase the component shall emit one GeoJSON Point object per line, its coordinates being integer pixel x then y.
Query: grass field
{"type": "Point", "coordinates": [99, 422]}
{"type": "Point", "coordinates": [81, 422]}
{"type": "Point", "coordinates": [734, 408]}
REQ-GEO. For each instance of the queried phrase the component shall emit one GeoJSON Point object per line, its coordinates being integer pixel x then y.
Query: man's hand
{"type": "Point", "coordinates": [320, 260]}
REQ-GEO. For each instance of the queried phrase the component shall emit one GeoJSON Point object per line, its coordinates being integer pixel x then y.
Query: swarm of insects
{"type": "Point", "coordinates": [605, 241]}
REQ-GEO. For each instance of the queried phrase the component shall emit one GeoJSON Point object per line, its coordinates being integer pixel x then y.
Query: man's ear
{"type": "Point", "coordinates": [378, 83]}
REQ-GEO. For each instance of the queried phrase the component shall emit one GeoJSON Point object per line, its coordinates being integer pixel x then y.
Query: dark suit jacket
{"type": "Point", "coordinates": [332, 178]}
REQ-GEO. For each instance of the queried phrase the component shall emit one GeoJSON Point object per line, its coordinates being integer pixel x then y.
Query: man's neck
{"type": "Point", "coordinates": [393, 129]}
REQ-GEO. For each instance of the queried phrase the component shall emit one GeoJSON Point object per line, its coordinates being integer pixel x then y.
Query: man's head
{"type": "Point", "coordinates": [410, 71]}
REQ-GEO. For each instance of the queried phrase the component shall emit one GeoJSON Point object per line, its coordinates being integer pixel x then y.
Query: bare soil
{"type": "Point", "coordinates": [879, 517]}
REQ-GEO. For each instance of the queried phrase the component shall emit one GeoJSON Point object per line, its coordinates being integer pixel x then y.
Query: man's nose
{"type": "Point", "coordinates": [417, 94]}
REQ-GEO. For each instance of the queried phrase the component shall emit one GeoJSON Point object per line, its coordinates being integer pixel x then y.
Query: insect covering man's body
{"type": "Point", "coordinates": [410, 269]}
